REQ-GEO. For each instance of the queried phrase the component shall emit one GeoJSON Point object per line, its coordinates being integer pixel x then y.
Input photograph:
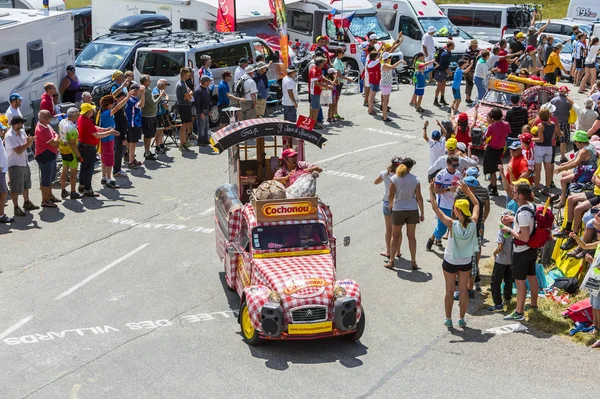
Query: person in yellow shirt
{"type": "Point", "coordinates": [552, 64]}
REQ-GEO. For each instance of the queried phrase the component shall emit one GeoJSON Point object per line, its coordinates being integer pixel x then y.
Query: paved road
{"type": "Point", "coordinates": [124, 297]}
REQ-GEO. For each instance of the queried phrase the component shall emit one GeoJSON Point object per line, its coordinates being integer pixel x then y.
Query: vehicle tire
{"type": "Point", "coordinates": [360, 328]}
{"type": "Point", "coordinates": [350, 64]}
{"type": "Point", "coordinates": [249, 333]}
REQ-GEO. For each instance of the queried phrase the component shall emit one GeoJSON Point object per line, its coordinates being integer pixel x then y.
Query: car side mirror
{"type": "Point", "coordinates": [346, 241]}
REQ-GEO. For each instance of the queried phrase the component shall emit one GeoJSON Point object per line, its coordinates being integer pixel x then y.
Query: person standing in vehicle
{"type": "Point", "coordinates": [202, 103]}
{"type": "Point", "coordinates": [470, 57]}
{"type": "Point", "coordinates": [184, 103]}
{"type": "Point", "coordinates": [516, 117]}
{"type": "Point", "coordinates": [70, 88]}
{"type": "Point", "coordinates": [149, 116]}
{"type": "Point", "coordinates": [441, 74]}
{"type": "Point", "coordinates": [385, 178]}
{"type": "Point", "coordinates": [119, 91]}
{"type": "Point", "coordinates": [262, 87]}
{"type": "Point", "coordinates": [290, 97]}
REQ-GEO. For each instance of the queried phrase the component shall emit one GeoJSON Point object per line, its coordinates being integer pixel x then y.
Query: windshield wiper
{"type": "Point", "coordinates": [94, 66]}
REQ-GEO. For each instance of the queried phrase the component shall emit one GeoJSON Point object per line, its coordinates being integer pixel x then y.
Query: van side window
{"type": "Point", "coordinates": [244, 239]}
{"type": "Point", "coordinates": [160, 64]}
{"type": "Point", "coordinates": [226, 56]}
{"type": "Point", "coordinates": [460, 17]}
{"type": "Point", "coordinates": [35, 55]}
{"type": "Point", "coordinates": [147, 12]}
{"type": "Point", "coordinates": [300, 21]}
{"type": "Point", "coordinates": [410, 28]}
{"type": "Point", "coordinates": [188, 24]}
{"type": "Point", "coordinates": [10, 64]}
{"type": "Point", "coordinates": [554, 29]}
{"type": "Point", "coordinates": [487, 19]}
{"type": "Point", "coordinates": [387, 18]}
{"type": "Point", "coordinates": [260, 48]}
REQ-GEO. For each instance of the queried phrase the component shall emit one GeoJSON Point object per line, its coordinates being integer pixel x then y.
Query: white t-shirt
{"type": "Point", "coordinates": [3, 159]}
{"type": "Point", "coordinates": [289, 84]}
{"type": "Point", "coordinates": [387, 180]}
{"type": "Point", "coordinates": [429, 44]}
{"type": "Point", "coordinates": [592, 53]}
{"type": "Point", "coordinates": [445, 179]}
{"type": "Point", "coordinates": [239, 72]}
{"type": "Point", "coordinates": [436, 149]}
{"type": "Point", "coordinates": [11, 113]}
{"type": "Point", "coordinates": [249, 88]}
{"type": "Point", "coordinates": [491, 62]}
{"type": "Point", "coordinates": [13, 140]}
{"type": "Point", "coordinates": [523, 219]}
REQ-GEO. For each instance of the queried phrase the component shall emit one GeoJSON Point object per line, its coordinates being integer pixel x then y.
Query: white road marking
{"type": "Point", "coordinates": [208, 211]}
{"type": "Point", "coordinates": [163, 226]}
{"type": "Point", "coordinates": [387, 133]}
{"type": "Point", "coordinates": [15, 327]}
{"type": "Point", "coordinates": [355, 151]}
{"type": "Point", "coordinates": [343, 174]}
{"type": "Point", "coordinates": [99, 272]}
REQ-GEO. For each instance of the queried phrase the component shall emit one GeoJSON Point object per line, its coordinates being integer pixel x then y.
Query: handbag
{"type": "Point", "coordinates": [326, 97]}
{"type": "Point", "coordinates": [572, 116]}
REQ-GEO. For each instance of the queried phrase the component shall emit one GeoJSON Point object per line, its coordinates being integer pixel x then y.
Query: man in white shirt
{"type": "Point", "coordinates": [241, 69]}
{"type": "Point", "coordinates": [428, 44]}
{"type": "Point", "coordinates": [14, 109]}
{"type": "Point", "coordinates": [17, 143]}
{"type": "Point", "coordinates": [290, 97]}
{"type": "Point", "coordinates": [3, 188]}
{"type": "Point", "coordinates": [250, 90]}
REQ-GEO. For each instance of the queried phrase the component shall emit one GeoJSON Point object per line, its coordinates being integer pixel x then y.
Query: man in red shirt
{"type": "Point", "coordinates": [517, 166]}
{"type": "Point", "coordinates": [316, 83]}
{"type": "Point", "coordinates": [46, 147]}
{"type": "Point", "coordinates": [89, 138]}
{"type": "Point", "coordinates": [47, 104]}
{"type": "Point", "coordinates": [504, 60]}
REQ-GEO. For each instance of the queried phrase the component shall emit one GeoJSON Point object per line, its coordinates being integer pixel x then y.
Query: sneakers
{"type": "Point", "coordinates": [438, 243]}
{"type": "Point", "coordinates": [567, 245]}
{"type": "Point", "coordinates": [436, 103]}
{"type": "Point", "coordinates": [462, 323]}
{"type": "Point", "coordinates": [429, 244]}
{"type": "Point", "coordinates": [184, 148]}
{"type": "Point", "coordinates": [30, 206]}
{"type": "Point", "coordinates": [75, 195]}
{"type": "Point", "coordinates": [132, 165]}
{"type": "Point", "coordinates": [160, 150]}
{"type": "Point", "coordinates": [150, 157]}
{"type": "Point", "coordinates": [443, 101]}
{"type": "Point", "coordinates": [112, 184]}
{"type": "Point", "coordinates": [337, 116]}
{"type": "Point", "coordinates": [448, 323]}
{"type": "Point", "coordinates": [469, 102]}
{"type": "Point", "coordinates": [515, 316]}
{"type": "Point", "coordinates": [120, 174]}
{"type": "Point", "coordinates": [562, 234]}
{"type": "Point", "coordinates": [80, 189]}
{"type": "Point", "coordinates": [103, 181]}
{"type": "Point", "coordinates": [5, 219]}
{"type": "Point", "coordinates": [64, 194]}
{"type": "Point", "coordinates": [19, 212]}
{"type": "Point", "coordinates": [496, 308]}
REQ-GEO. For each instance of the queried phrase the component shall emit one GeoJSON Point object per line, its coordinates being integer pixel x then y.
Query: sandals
{"type": "Point", "coordinates": [384, 254]}
{"type": "Point", "coordinates": [413, 266]}
{"type": "Point", "coordinates": [389, 265]}
{"type": "Point", "coordinates": [49, 204]}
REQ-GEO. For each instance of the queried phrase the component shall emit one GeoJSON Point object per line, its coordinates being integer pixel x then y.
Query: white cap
{"type": "Point", "coordinates": [386, 55]}
{"type": "Point", "coordinates": [431, 29]}
{"type": "Point", "coordinates": [550, 107]}
{"type": "Point", "coordinates": [331, 70]}
{"type": "Point", "coordinates": [249, 69]}
{"type": "Point", "coordinates": [373, 36]}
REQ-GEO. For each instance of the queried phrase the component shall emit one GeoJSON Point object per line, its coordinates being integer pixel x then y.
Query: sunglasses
{"type": "Point", "coordinates": [455, 165]}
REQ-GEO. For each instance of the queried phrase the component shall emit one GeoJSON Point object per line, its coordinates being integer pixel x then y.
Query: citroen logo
{"type": "Point", "coordinates": [309, 312]}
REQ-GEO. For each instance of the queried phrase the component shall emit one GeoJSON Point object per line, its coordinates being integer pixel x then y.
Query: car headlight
{"type": "Point", "coordinates": [275, 297]}
{"type": "Point", "coordinates": [339, 292]}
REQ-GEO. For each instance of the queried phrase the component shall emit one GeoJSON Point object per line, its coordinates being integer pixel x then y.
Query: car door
{"type": "Point", "coordinates": [160, 64]}
{"type": "Point", "coordinates": [245, 256]}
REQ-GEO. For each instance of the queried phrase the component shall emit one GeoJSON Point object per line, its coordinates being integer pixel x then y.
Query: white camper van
{"type": "Point", "coordinates": [53, 5]}
{"type": "Point", "coordinates": [584, 10]}
{"type": "Point", "coordinates": [39, 50]}
{"type": "Point", "coordinates": [413, 18]}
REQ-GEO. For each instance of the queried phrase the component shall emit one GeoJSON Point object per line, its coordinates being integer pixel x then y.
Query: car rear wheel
{"type": "Point", "coordinates": [248, 331]}
{"type": "Point", "coordinates": [360, 328]}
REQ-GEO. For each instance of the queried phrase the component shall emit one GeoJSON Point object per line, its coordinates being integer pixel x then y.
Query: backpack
{"type": "Point", "coordinates": [542, 227]}
{"type": "Point", "coordinates": [238, 87]}
{"type": "Point", "coordinates": [438, 54]}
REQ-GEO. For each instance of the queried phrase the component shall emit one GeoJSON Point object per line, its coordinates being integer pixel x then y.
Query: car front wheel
{"type": "Point", "coordinates": [360, 328]}
{"type": "Point", "coordinates": [248, 331]}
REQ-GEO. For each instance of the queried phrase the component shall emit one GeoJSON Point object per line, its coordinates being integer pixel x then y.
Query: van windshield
{"type": "Point", "coordinates": [289, 236]}
{"type": "Point", "coordinates": [362, 24]}
{"type": "Point", "coordinates": [443, 26]}
{"type": "Point", "coordinates": [102, 56]}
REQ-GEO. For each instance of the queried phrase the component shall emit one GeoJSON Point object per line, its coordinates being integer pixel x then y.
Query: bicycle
{"type": "Point", "coordinates": [525, 17]}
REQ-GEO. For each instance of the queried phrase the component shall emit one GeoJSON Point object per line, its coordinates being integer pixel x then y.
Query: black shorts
{"type": "Point", "coordinates": [162, 121]}
{"type": "Point", "coordinates": [592, 65]}
{"type": "Point", "coordinates": [523, 264]}
{"type": "Point", "coordinates": [149, 126]}
{"type": "Point", "coordinates": [594, 199]}
{"type": "Point", "coordinates": [579, 63]}
{"type": "Point", "coordinates": [134, 134]}
{"type": "Point", "coordinates": [400, 218]}
{"type": "Point", "coordinates": [491, 159]}
{"type": "Point", "coordinates": [185, 112]}
{"type": "Point", "coordinates": [223, 117]}
{"type": "Point", "coordinates": [450, 268]}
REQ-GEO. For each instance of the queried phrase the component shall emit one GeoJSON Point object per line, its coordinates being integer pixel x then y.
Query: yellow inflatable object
{"type": "Point", "coordinates": [572, 116]}
{"type": "Point", "coordinates": [527, 81]}
{"type": "Point", "coordinates": [4, 120]}
{"type": "Point", "coordinates": [534, 130]}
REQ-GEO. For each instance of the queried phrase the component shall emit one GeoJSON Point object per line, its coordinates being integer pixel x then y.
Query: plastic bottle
{"type": "Point", "coordinates": [506, 235]}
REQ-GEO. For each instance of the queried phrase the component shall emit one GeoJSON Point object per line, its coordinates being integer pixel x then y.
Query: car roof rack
{"type": "Point", "coordinates": [193, 39]}
{"type": "Point", "coordinates": [141, 23]}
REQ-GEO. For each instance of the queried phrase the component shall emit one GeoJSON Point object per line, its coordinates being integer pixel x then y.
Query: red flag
{"type": "Point", "coordinates": [305, 122]}
{"type": "Point", "coordinates": [226, 16]}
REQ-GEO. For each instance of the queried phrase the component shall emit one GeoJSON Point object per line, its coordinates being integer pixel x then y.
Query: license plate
{"type": "Point", "coordinates": [308, 329]}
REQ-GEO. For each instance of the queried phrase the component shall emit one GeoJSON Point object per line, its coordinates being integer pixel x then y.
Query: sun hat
{"type": "Point", "coordinates": [436, 135]}
{"type": "Point", "coordinates": [116, 74]}
{"type": "Point", "coordinates": [472, 171]}
{"type": "Point", "coordinates": [386, 55]}
{"type": "Point", "coordinates": [549, 107]}
{"type": "Point", "coordinates": [462, 146]}
{"type": "Point", "coordinates": [463, 205]}
{"type": "Point", "coordinates": [451, 143]}
{"type": "Point", "coordinates": [373, 36]}
{"type": "Point", "coordinates": [85, 108]}
{"type": "Point", "coordinates": [471, 181]}
{"type": "Point", "coordinates": [474, 42]}
{"type": "Point", "coordinates": [516, 145]}
{"type": "Point", "coordinates": [260, 65]}
{"type": "Point", "coordinates": [525, 137]}
{"type": "Point", "coordinates": [288, 152]}
{"type": "Point", "coordinates": [581, 136]}
{"type": "Point", "coordinates": [531, 28]}
{"type": "Point", "coordinates": [249, 69]}
{"type": "Point", "coordinates": [507, 212]}
{"type": "Point", "coordinates": [431, 29]}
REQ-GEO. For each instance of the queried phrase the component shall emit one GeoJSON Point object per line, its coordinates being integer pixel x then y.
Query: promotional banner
{"type": "Point", "coordinates": [226, 16]}
{"type": "Point", "coordinates": [281, 20]}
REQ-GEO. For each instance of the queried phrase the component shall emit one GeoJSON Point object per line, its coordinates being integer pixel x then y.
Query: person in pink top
{"type": "Point", "coordinates": [495, 136]}
{"type": "Point", "coordinates": [47, 104]}
{"type": "Point", "coordinates": [46, 148]}
{"type": "Point", "coordinates": [291, 169]}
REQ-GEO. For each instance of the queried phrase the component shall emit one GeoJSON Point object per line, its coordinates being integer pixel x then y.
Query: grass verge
{"type": "Point", "coordinates": [551, 8]}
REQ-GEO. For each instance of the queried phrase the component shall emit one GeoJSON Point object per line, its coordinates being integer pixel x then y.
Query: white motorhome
{"type": "Point", "coordinates": [584, 10]}
{"type": "Point", "coordinates": [39, 50]}
{"type": "Point", "coordinates": [54, 5]}
{"type": "Point", "coordinates": [413, 18]}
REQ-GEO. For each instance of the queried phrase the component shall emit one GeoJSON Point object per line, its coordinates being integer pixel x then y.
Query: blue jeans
{"type": "Point", "coordinates": [289, 113]}
{"type": "Point", "coordinates": [203, 129]}
{"type": "Point", "coordinates": [481, 89]}
{"type": "Point", "coordinates": [440, 228]}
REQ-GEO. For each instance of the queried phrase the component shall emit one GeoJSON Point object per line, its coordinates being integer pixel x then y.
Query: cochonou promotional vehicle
{"type": "Point", "coordinates": [279, 254]}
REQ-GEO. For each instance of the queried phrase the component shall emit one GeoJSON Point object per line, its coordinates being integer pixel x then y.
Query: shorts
{"type": "Point", "coordinates": [440, 76]}
{"type": "Point", "coordinates": [523, 264]}
{"type": "Point", "coordinates": [315, 101]}
{"type": "Point", "coordinates": [566, 129]}
{"type": "Point", "coordinates": [134, 134]}
{"type": "Point", "coordinates": [47, 172]}
{"type": "Point", "coordinates": [456, 94]}
{"type": "Point", "coordinates": [261, 107]}
{"type": "Point", "coordinates": [594, 199]}
{"type": "Point", "coordinates": [419, 92]}
{"type": "Point", "coordinates": [162, 121]}
{"type": "Point", "coordinates": [579, 63]}
{"type": "Point", "coordinates": [20, 178]}
{"type": "Point", "coordinates": [542, 154]}
{"type": "Point", "coordinates": [223, 117]}
{"type": "Point", "coordinates": [386, 90]}
{"type": "Point", "coordinates": [450, 268]}
{"type": "Point", "coordinates": [289, 113]}
{"type": "Point", "coordinates": [185, 113]}
{"type": "Point", "coordinates": [491, 159]}
{"type": "Point", "coordinates": [400, 218]}
{"type": "Point", "coordinates": [338, 89]}
{"type": "Point", "coordinates": [592, 65]}
{"type": "Point", "coordinates": [386, 208]}
{"type": "Point", "coordinates": [107, 154]}
{"type": "Point", "coordinates": [149, 126]}
{"type": "Point", "coordinates": [595, 301]}
{"type": "Point", "coordinates": [3, 186]}
{"type": "Point", "coordinates": [375, 87]}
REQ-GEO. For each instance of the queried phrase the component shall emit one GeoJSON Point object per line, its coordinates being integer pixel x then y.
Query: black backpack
{"type": "Point", "coordinates": [569, 285]}
{"type": "Point", "coordinates": [238, 87]}
{"type": "Point", "coordinates": [438, 54]}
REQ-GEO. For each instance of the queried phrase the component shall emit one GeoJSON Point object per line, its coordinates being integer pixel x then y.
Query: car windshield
{"type": "Point", "coordinates": [498, 97]}
{"type": "Point", "coordinates": [102, 56]}
{"type": "Point", "coordinates": [362, 24]}
{"type": "Point", "coordinates": [289, 236]}
{"type": "Point", "coordinates": [443, 26]}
